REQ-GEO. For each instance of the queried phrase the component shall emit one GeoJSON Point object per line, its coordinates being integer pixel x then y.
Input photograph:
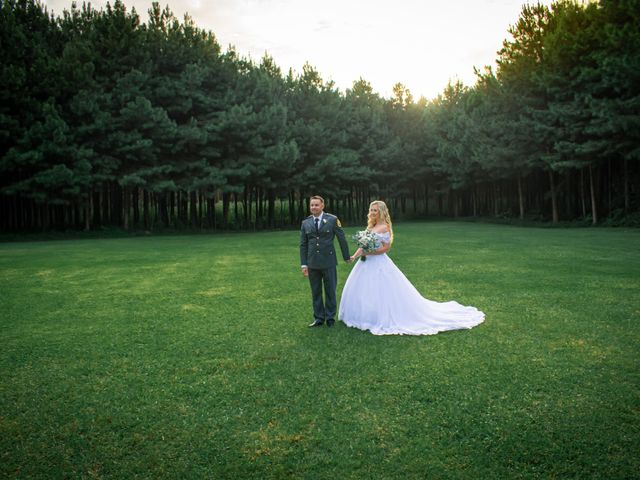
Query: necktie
{"type": "Point", "coordinates": [317, 220]}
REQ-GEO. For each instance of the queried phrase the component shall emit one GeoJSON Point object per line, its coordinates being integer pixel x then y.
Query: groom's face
{"type": "Point", "coordinates": [316, 207]}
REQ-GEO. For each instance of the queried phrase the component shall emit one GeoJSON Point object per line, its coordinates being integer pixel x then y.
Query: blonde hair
{"type": "Point", "coordinates": [383, 216]}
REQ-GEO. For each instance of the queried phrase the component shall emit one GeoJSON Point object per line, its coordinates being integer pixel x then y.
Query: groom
{"type": "Point", "coordinates": [318, 259]}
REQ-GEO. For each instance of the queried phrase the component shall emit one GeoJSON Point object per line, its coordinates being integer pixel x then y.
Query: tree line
{"type": "Point", "coordinates": [108, 121]}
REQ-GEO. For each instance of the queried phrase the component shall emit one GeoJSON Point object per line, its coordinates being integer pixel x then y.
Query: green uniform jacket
{"type": "Point", "coordinates": [316, 249]}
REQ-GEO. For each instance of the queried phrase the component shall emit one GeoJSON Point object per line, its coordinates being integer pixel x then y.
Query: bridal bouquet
{"type": "Point", "coordinates": [367, 241]}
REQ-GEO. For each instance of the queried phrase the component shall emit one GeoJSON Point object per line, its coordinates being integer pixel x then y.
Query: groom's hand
{"type": "Point", "coordinates": [305, 271]}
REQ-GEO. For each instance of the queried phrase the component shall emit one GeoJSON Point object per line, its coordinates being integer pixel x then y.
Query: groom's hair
{"type": "Point", "coordinates": [317, 197]}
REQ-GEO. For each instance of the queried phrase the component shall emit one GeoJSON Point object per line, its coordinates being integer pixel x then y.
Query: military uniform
{"type": "Point", "coordinates": [317, 252]}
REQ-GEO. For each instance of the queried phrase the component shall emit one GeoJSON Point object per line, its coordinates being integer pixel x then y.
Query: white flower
{"type": "Point", "coordinates": [367, 240]}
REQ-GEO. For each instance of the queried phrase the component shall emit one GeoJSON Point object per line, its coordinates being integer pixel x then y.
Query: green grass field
{"type": "Point", "coordinates": [189, 357]}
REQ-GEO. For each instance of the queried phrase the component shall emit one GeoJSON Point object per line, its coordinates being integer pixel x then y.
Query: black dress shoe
{"type": "Point", "coordinates": [330, 323]}
{"type": "Point", "coordinates": [317, 323]}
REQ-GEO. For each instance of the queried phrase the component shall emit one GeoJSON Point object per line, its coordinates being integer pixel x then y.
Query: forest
{"type": "Point", "coordinates": [110, 122]}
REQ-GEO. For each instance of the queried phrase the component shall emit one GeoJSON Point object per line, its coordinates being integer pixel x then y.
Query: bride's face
{"type": "Point", "coordinates": [374, 212]}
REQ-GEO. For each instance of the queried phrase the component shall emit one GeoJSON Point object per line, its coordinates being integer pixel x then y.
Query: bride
{"type": "Point", "coordinates": [379, 298]}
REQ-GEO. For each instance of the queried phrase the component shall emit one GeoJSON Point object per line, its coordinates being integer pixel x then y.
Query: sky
{"type": "Point", "coordinates": [422, 44]}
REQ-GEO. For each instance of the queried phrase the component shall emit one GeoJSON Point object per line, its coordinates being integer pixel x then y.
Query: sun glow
{"type": "Point", "coordinates": [421, 44]}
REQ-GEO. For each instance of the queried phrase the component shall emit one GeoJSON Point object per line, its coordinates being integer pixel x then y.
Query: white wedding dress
{"type": "Point", "coordinates": [379, 298]}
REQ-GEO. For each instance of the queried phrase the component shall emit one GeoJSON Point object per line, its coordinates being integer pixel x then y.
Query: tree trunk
{"type": "Point", "coordinates": [107, 205]}
{"type": "Point", "coordinates": [236, 219]}
{"type": "Point", "coordinates": [568, 205]}
{"type": "Point", "coordinates": [426, 199]}
{"type": "Point", "coordinates": [6, 214]}
{"type": "Point", "coordinates": [415, 200]}
{"type": "Point", "coordinates": [250, 207]}
{"type": "Point", "coordinates": [117, 208]}
{"type": "Point", "coordinates": [46, 217]}
{"type": "Point", "coordinates": [186, 220]}
{"type": "Point", "coordinates": [97, 208]}
{"type": "Point", "coordinates": [136, 207]}
{"type": "Point", "coordinates": [594, 212]}
{"type": "Point", "coordinates": [193, 209]}
{"type": "Point", "coordinates": [356, 194]}
{"type": "Point", "coordinates": [145, 209]}
{"type": "Point", "coordinates": [271, 209]}
{"type": "Point", "coordinates": [609, 188]}
{"type": "Point", "coordinates": [88, 212]}
{"type": "Point", "coordinates": [283, 213]}
{"type": "Point", "coordinates": [520, 197]}
{"type": "Point", "coordinates": [14, 212]}
{"type": "Point", "coordinates": [626, 186]}
{"type": "Point", "coordinates": [258, 208]}
{"type": "Point", "coordinates": [583, 200]}
{"type": "Point", "coordinates": [292, 207]}
{"type": "Point", "coordinates": [245, 205]}
{"type": "Point", "coordinates": [211, 212]}
{"type": "Point", "coordinates": [164, 208]}
{"type": "Point", "coordinates": [301, 214]}
{"type": "Point", "coordinates": [171, 209]}
{"type": "Point", "coordinates": [474, 201]}
{"type": "Point", "coordinates": [225, 209]}
{"type": "Point", "coordinates": [454, 200]}
{"type": "Point", "coordinates": [125, 208]}
{"type": "Point", "coordinates": [66, 216]}
{"type": "Point", "coordinates": [554, 203]}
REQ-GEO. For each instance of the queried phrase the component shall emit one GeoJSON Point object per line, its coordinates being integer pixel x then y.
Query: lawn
{"type": "Point", "coordinates": [190, 357]}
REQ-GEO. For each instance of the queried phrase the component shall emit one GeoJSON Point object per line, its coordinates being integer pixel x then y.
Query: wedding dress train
{"type": "Point", "coordinates": [379, 298]}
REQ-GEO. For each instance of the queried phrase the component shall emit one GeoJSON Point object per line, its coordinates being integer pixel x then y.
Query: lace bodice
{"type": "Point", "coordinates": [385, 237]}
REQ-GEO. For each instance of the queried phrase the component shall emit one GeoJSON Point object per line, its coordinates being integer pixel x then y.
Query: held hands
{"type": "Point", "coordinates": [353, 258]}
{"type": "Point", "coordinates": [305, 271]}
